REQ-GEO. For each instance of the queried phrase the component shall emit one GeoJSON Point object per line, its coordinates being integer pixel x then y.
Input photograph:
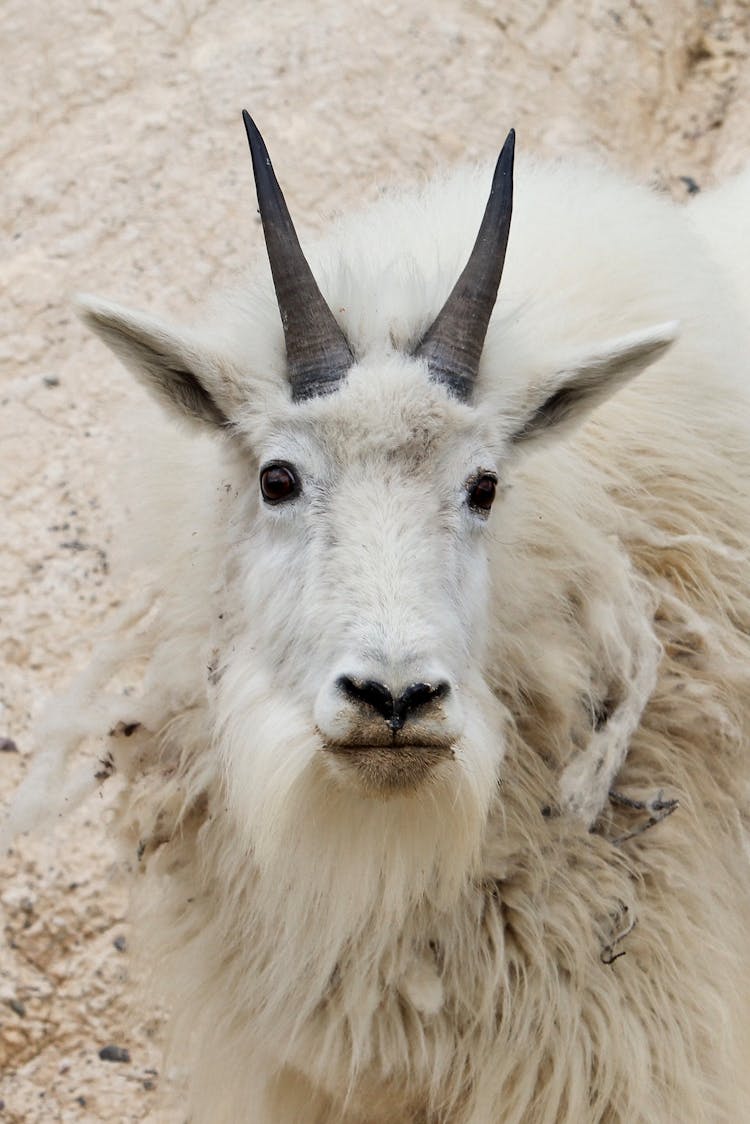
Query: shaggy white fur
{"type": "Point", "coordinates": [443, 944]}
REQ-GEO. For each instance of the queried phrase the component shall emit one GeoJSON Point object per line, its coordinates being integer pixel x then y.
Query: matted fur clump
{"type": "Point", "coordinates": [529, 902]}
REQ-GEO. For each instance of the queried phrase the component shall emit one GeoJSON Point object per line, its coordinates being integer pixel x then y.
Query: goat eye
{"type": "Point", "coordinates": [482, 491]}
{"type": "Point", "coordinates": [278, 482]}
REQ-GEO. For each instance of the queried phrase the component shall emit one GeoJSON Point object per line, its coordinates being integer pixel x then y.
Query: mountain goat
{"type": "Point", "coordinates": [436, 775]}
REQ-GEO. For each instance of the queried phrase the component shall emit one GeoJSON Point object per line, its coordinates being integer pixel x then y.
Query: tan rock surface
{"type": "Point", "coordinates": [126, 173]}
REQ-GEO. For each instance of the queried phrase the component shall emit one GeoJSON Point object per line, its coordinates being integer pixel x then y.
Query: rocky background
{"type": "Point", "coordinates": [126, 173]}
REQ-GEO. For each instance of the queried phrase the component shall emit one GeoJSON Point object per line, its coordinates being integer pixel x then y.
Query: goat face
{"type": "Point", "coordinates": [368, 575]}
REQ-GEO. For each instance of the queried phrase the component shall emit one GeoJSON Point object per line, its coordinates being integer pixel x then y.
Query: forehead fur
{"type": "Point", "coordinates": [385, 405]}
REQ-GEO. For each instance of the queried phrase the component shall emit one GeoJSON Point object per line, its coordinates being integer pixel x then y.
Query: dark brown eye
{"type": "Point", "coordinates": [482, 491]}
{"type": "Point", "coordinates": [278, 482]}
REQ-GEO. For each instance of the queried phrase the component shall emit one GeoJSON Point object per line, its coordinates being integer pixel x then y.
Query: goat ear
{"type": "Point", "coordinates": [182, 374]}
{"type": "Point", "coordinates": [566, 399]}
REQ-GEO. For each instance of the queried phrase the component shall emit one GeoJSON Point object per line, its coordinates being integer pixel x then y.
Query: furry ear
{"type": "Point", "coordinates": [565, 399]}
{"type": "Point", "coordinates": [174, 365]}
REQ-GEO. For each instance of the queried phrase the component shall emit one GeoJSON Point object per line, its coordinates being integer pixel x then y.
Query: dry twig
{"type": "Point", "coordinates": [657, 808]}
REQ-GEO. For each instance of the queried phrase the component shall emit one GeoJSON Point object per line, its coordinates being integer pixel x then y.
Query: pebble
{"type": "Point", "coordinates": [114, 1054]}
{"type": "Point", "coordinates": [7, 745]}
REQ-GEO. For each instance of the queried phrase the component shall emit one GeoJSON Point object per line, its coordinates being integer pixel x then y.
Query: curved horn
{"type": "Point", "coordinates": [318, 355]}
{"type": "Point", "coordinates": [453, 343]}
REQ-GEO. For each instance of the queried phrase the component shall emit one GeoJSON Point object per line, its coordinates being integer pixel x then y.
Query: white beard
{"type": "Point", "coordinates": [331, 864]}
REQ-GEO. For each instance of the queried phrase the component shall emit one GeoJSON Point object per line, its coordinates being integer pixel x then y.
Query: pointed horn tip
{"type": "Point", "coordinates": [509, 147]}
{"type": "Point", "coordinates": [258, 150]}
{"type": "Point", "coordinates": [253, 133]}
{"type": "Point", "coordinates": [505, 164]}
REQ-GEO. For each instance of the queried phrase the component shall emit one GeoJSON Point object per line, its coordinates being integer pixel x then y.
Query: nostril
{"type": "Point", "coordinates": [415, 696]}
{"type": "Point", "coordinates": [369, 692]}
{"type": "Point", "coordinates": [418, 694]}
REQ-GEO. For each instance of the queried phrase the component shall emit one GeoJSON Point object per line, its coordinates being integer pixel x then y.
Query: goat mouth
{"type": "Point", "coordinates": [390, 770]}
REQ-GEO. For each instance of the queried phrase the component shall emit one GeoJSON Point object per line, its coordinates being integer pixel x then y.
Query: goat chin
{"type": "Point", "coordinates": [387, 771]}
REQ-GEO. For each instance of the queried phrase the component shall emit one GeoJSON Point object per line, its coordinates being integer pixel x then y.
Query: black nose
{"type": "Point", "coordinates": [379, 698]}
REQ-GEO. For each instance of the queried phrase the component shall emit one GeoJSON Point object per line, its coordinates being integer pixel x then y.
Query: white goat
{"type": "Point", "coordinates": [393, 761]}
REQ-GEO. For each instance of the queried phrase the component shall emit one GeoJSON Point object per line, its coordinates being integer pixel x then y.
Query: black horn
{"type": "Point", "coordinates": [317, 352]}
{"type": "Point", "coordinates": [453, 343]}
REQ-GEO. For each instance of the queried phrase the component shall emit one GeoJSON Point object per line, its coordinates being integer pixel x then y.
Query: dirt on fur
{"type": "Point", "coordinates": [126, 173]}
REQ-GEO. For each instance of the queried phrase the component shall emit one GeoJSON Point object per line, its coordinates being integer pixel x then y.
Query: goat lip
{"type": "Point", "coordinates": [395, 748]}
{"type": "Point", "coordinates": [422, 748]}
{"type": "Point", "coordinates": [417, 737]}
